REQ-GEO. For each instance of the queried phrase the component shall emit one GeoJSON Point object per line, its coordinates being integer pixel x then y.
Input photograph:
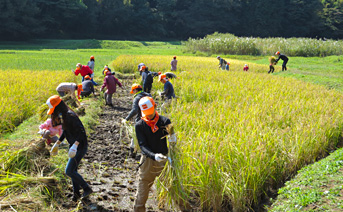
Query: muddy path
{"type": "Point", "coordinates": [107, 166]}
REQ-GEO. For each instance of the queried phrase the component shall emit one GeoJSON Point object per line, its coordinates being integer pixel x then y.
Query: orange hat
{"type": "Point", "coordinates": [147, 105]}
{"type": "Point", "coordinates": [174, 57]}
{"type": "Point", "coordinates": [135, 86]}
{"type": "Point", "coordinates": [92, 57]}
{"type": "Point", "coordinates": [142, 68]}
{"type": "Point", "coordinates": [88, 77]}
{"type": "Point", "coordinates": [161, 77]}
{"type": "Point", "coordinates": [277, 53]}
{"type": "Point", "coordinates": [159, 73]}
{"type": "Point", "coordinates": [52, 102]}
{"type": "Point", "coordinates": [79, 89]}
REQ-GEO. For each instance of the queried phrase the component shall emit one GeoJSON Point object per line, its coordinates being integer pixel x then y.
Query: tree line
{"type": "Point", "coordinates": [169, 19]}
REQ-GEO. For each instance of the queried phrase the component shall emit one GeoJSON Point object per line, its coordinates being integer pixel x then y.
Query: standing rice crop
{"type": "Point", "coordinates": [242, 133]}
{"type": "Point", "coordinates": [23, 91]}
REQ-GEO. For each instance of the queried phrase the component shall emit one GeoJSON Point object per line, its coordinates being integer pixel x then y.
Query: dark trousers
{"type": "Point", "coordinates": [71, 171]}
{"type": "Point", "coordinates": [147, 88]}
{"type": "Point", "coordinates": [284, 68]}
{"type": "Point", "coordinates": [271, 69]}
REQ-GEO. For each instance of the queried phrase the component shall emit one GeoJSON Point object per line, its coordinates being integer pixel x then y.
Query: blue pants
{"type": "Point", "coordinates": [94, 83]}
{"type": "Point", "coordinates": [71, 170]}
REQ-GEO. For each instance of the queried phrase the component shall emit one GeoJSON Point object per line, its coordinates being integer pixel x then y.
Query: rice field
{"type": "Point", "coordinates": [240, 133]}
{"type": "Point", "coordinates": [22, 92]}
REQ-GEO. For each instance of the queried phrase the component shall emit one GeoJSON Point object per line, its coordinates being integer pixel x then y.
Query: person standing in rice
{"type": "Point", "coordinates": [168, 91]}
{"type": "Point", "coordinates": [69, 88]}
{"type": "Point", "coordinates": [222, 62]}
{"type": "Point", "coordinates": [87, 87]}
{"type": "Point", "coordinates": [84, 70]}
{"type": "Point", "coordinates": [227, 66]}
{"type": "Point", "coordinates": [144, 72]}
{"type": "Point", "coordinates": [148, 80]}
{"type": "Point", "coordinates": [173, 64]}
{"type": "Point", "coordinates": [91, 64]}
{"type": "Point", "coordinates": [107, 68]}
{"type": "Point", "coordinates": [151, 132]}
{"type": "Point", "coordinates": [138, 93]}
{"type": "Point", "coordinates": [140, 67]}
{"type": "Point", "coordinates": [282, 57]}
{"type": "Point", "coordinates": [246, 67]}
{"type": "Point", "coordinates": [74, 132]}
{"type": "Point", "coordinates": [110, 82]}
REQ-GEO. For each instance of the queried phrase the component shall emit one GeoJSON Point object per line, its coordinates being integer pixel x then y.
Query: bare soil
{"type": "Point", "coordinates": [107, 166]}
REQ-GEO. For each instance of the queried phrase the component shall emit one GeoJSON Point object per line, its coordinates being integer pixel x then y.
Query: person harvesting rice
{"type": "Point", "coordinates": [74, 132]}
{"type": "Point", "coordinates": [284, 58]}
{"type": "Point", "coordinates": [151, 132]}
{"type": "Point", "coordinates": [137, 91]}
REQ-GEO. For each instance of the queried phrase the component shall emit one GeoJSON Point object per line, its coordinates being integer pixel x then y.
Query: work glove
{"type": "Point", "coordinates": [41, 132]}
{"type": "Point", "coordinates": [54, 149]}
{"type": "Point", "coordinates": [172, 139]}
{"type": "Point", "coordinates": [123, 121]}
{"type": "Point", "coordinates": [72, 151]}
{"type": "Point", "coordinates": [159, 157]}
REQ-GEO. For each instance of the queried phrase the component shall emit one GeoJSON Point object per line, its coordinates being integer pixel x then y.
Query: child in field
{"type": "Point", "coordinates": [272, 62]}
{"type": "Point", "coordinates": [110, 82]}
{"type": "Point", "coordinates": [246, 67]}
{"type": "Point", "coordinates": [227, 67]}
{"type": "Point", "coordinates": [50, 129]}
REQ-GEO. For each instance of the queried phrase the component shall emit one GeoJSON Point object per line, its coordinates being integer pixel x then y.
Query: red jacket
{"type": "Point", "coordinates": [111, 83]}
{"type": "Point", "coordinates": [246, 68]}
{"type": "Point", "coordinates": [85, 70]}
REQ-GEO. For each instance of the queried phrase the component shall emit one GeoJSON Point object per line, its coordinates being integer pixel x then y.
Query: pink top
{"type": "Point", "coordinates": [53, 130]}
{"type": "Point", "coordinates": [111, 83]}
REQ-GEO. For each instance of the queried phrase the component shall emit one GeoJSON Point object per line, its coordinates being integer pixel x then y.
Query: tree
{"type": "Point", "coordinates": [19, 22]}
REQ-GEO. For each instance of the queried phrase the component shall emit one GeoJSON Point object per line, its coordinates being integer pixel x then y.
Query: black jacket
{"type": "Point", "coordinates": [152, 143]}
{"type": "Point", "coordinates": [135, 107]}
{"type": "Point", "coordinates": [282, 57]}
{"type": "Point", "coordinates": [149, 79]}
{"type": "Point", "coordinates": [73, 130]}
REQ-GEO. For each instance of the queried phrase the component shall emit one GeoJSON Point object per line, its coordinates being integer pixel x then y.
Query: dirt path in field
{"type": "Point", "coordinates": [107, 166]}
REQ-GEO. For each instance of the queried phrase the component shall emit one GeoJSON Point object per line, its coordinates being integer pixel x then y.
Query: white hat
{"type": "Point", "coordinates": [147, 105]}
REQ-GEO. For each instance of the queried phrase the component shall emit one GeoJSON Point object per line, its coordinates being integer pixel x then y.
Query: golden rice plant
{"type": "Point", "coordinates": [240, 133]}
{"type": "Point", "coordinates": [22, 92]}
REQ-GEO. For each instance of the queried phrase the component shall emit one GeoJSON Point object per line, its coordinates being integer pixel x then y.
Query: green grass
{"type": "Point", "coordinates": [317, 187]}
{"type": "Point", "coordinates": [325, 71]}
{"type": "Point", "coordinates": [64, 54]}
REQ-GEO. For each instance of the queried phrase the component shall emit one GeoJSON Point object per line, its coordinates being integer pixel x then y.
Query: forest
{"type": "Point", "coordinates": [169, 19]}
